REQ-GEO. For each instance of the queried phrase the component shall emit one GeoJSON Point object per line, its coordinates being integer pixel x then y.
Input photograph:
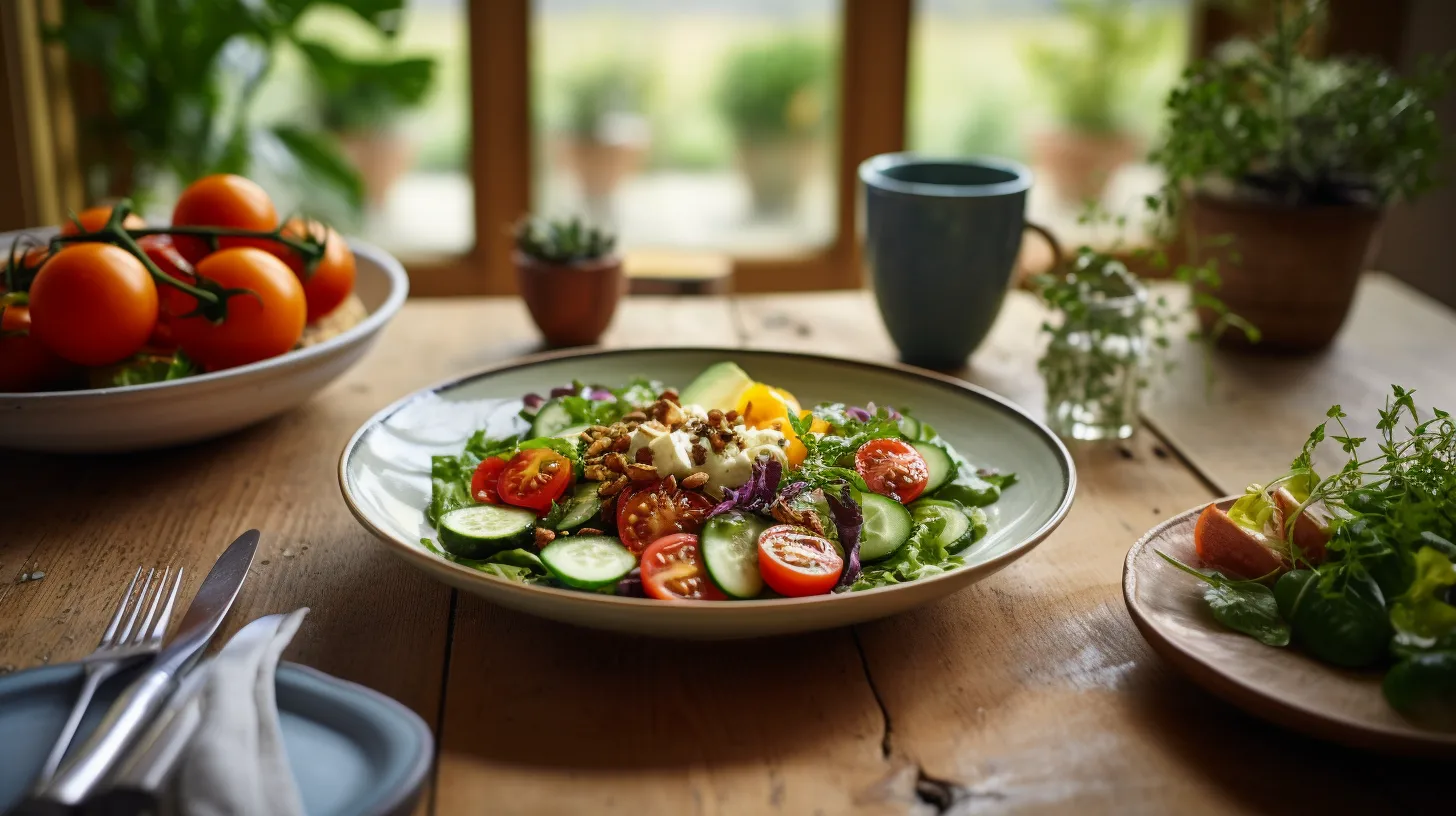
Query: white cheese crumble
{"type": "Point", "coordinates": [672, 451]}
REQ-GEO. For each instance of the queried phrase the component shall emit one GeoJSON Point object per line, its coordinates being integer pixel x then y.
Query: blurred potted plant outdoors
{"type": "Point", "coordinates": [179, 81]}
{"type": "Point", "coordinates": [603, 134]}
{"type": "Point", "coordinates": [570, 276]}
{"type": "Point", "coordinates": [774, 98]}
{"type": "Point", "coordinates": [1091, 82]}
{"type": "Point", "coordinates": [1290, 160]}
{"type": "Point", "coordinates": [360, 101]}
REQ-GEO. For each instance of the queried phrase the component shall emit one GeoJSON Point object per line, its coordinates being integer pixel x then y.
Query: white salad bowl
{"type": "Point", "coordinates": [384, 474]}
{"type": "Point", "coordinates": [156, 415]}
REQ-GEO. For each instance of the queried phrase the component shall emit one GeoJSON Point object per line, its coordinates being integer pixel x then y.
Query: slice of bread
{"type": "Point", "coordinates": [1237, 551]}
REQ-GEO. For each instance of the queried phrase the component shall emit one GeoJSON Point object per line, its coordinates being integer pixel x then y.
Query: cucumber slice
{"type": "Point", "coordinates": [551, 419]}
{"type": "Point", "coordinates": [887, 525]}
{"type": "Point", "coordinates": [584, 505]}
{"type": "Point", "coordinates": [588, 562]}
{"type": "Point", "coordinates": [909, 426]}
{"type": "Point", "coordinates": [481, 530]}
{"type": "Point", "coordinates": [938, 462]}
{"type": "Point", "coordinates": [572, 433]}
{"type": "Point", "coordinates": [729, 546]}
{"type": "Point", "coordinates": [955, 532]}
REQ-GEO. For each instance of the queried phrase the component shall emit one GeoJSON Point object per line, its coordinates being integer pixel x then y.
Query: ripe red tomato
{"type": "Point", "coordinates": [795, 562]}
{"type": "Point", "coordinates": [672, 570]}
{"type": "Point", "coordinates": [25, 363]}
{"type": "Point", "coordinates": [94, 218]}
{"type": "Point", "coordinates": [222, 200]}
{"type": "Point", "coordinates": [535, 478]}
{"type": "Point", "coordinates": [656, 510]}
{"type": "Point", "coordinates": [93, 304]}
{"type": "Point", "coordinates": [890, 467]}
{"type": "Point", "coordinates": [264, 322]}
{"type": "Point", "coordinates": [162, 252]}
{"type": "Point", "coordinates": [332, 278]}
{"type": "Point", "coordinates": [485, 482]}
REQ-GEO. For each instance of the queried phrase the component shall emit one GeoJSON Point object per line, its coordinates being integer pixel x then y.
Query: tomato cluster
{"type": "Point", "coordinates": [94, 303]}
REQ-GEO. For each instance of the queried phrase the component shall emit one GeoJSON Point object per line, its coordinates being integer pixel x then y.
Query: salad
{"type": "Point", "coordinates": [111, 301]}
{"type": "Point", "coordinates": [727, 490]}
{"type": "Point", "coordinates": [1358, 568]}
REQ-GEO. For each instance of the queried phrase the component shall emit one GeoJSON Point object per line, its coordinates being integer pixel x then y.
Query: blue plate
{"type": "Point", "coordinates": [353, 750]}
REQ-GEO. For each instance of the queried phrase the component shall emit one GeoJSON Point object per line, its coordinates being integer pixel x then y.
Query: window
{"type": "Point", "coordinates": [689, 124]}
{"type": "Point", "coordinates": [1073, 88]}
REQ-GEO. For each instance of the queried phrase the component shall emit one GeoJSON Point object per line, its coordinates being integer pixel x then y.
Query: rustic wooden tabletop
{"type": "Point", "coordinates": [1031, 691]}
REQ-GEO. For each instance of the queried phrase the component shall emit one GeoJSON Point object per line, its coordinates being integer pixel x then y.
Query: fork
{"type": "Point", "coordinates": [119, 646]}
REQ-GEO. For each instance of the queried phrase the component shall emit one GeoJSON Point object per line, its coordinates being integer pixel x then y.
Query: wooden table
{"type": "Point", "coordinates": [1031, 691]}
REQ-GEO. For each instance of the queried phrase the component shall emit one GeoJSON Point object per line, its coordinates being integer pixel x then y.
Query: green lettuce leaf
{"type": "Point", "coordinates": [513, 565]}
{"type": "Point", "coordinates": [1421, 619]}
{"type": "Point", "coordinates": [918, 557]}
{"type": "Point", "coordinates": [150, 369]}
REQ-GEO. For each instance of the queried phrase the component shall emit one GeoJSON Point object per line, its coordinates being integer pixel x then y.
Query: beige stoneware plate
{"type": "Point", "coordinates": [384, 475]}
{"type": "Point", "coordinates": [156, 415]}
{"type": "Point", "coordinates": [1281, 685]}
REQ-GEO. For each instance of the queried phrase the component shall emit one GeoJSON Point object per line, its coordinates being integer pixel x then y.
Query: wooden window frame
{"type": "Point", "coordinates": [872, 83]}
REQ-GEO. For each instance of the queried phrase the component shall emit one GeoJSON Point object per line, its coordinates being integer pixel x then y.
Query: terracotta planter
{"type": "Point", "coordinates": [381, 157]}
{"type": "Point", "coordinates": [1079, 165]}
{"type": "Point", "coordinates": [1291, 271]}
{"type": "Point", "coordinates": [572, 304]}
{"type": "Point", "coordinates": [599, 167]}
{"type": "Point", "coordinates": [775, 172]}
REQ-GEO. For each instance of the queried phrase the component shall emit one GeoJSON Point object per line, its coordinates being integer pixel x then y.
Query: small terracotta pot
{"type": "Point", "coordinates": [1291, 271]}
{"type": "Point", "coordinates": [1079, 165]}
{"type": "Point", "coordinates": [775, 170]}
{"type": "Point", "coordinates": [599, 166]}
{"type": "Point", "coordinates": [381, 156]}
{"type": "Point", "coordinates": [572, 304]}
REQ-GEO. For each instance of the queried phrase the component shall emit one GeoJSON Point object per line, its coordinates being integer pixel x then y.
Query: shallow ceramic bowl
{"type": "Point", "coordinates": [385, 476]}
{"type": "Point", "coordinates": [1281, 685]}
{"type": "Point", "coordinates": [156, 415]}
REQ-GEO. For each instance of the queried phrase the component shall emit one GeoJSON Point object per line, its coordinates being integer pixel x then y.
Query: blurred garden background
{"type": "Point", "coordinates": [710, 124]}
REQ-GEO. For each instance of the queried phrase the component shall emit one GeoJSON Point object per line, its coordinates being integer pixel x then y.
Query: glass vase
{"type": "Point", "coordinates": [1095, 369]}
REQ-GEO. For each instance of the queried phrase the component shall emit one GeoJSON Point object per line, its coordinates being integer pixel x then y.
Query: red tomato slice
{"type": "Point", "coordinates": [650, 512]}
{"type": "Point", "coordinates": [485, 484]}
{"type": "Point", "coordinates": [795, 562]}
{"type": "Point", "coordinates": [892, 468]}
{"type": "Point", "coordinates": [535, 478]}
{"type": "Point", "coordinates": [672, 570]}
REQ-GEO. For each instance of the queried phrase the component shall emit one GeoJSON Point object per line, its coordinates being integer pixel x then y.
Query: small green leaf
{"type": "Point", "coordinates": [320, 157]}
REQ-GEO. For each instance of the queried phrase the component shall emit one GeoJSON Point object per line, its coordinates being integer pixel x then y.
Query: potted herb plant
{"type": "Point", "coordinates": [774, 98]}
{"type": "Point", "coordinates": [570, 277]}
{"type": "Point", "coordinates": [603, 133]}
{"type": "Point", "coordinates": [1090, 82]}
{"type": "Point", "coordinates": [1294, 159]}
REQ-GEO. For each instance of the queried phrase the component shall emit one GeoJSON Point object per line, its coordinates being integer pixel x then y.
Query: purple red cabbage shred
{"type": "Point", "coordinates": [758, 493]}
{"type": "Point", "coordinates": [849, 520]}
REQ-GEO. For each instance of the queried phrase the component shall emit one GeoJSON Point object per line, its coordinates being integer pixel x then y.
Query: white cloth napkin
{"type": "Point", "coordinates": [235, 764]}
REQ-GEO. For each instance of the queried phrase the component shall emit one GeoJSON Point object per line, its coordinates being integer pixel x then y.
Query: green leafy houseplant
{"type": "Point", "coordinates": [593, 94]}
{"type": "Point", "coordinates": [1295, 157]}
{"type": "Point", "coordinates": [604, 132]}
{"type": "Point", "coordinates": [180, 77]}
{"type": "Point", "coordinates": [774, 98]}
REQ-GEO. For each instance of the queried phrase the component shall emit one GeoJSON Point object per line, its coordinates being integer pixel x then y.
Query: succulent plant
{"type": "Point", "coordinates": [563, 241]}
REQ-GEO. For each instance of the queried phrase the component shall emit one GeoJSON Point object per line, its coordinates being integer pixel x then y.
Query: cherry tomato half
{"type": "Point", "coordinates": [263, 322]}
{"type": "Point", "coordinates": [93, 304]}
{"type": "Point", "coordinates": [485, 482]}
{"type": "Point", "coordinates": [535, 478]}
{"type": "Point", "coordinates": [25, 363]}
{"type": "Point", "coordinates": [653, 511]}
{"type": "Point", "coordinates": [222, 200]}
{"type": "Point", "coordinates": [795, 562]}
{"type": "Point", "coordinates": [94, 218]}
{"type": "Point", "coordinates": [890, 467]}
{"type": "Point", "coordinates": [672, 570]}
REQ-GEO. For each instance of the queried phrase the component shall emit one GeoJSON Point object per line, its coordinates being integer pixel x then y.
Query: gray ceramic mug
{"type": "Point", "coordinates": [940, 240]}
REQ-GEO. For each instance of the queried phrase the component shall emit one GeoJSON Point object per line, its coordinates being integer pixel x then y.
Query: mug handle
{"type": "Point", "coordinates": [1052, 242]}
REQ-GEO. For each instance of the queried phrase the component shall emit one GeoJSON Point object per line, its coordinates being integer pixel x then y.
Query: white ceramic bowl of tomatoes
{"type": "Point", "coordinates": [91, 310]}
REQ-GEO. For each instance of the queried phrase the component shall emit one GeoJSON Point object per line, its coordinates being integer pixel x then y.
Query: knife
{"type": "Point", "coordinates": [141, 701]}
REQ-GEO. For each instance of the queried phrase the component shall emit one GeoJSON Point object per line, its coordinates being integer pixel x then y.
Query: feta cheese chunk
{"type": "Point", "coordinates": [672, 451]}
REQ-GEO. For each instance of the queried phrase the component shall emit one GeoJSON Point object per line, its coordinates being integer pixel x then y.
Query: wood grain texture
{"type": "Point", "coordinates": [1259, 409]}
